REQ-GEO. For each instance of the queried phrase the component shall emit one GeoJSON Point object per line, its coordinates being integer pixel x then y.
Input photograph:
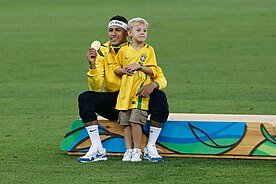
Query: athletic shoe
{"type": "Point", "coordinates": [127, 155]}
{"type": "Point", "coordinates": [151, 154]}
{"type": "Point", "coordinates": [93, 155]}
{"type": "Point", "coordinates": [136, 155]}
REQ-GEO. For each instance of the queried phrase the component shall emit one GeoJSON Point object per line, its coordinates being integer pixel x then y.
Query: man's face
{"type": "Point", "coordinates": [117, 35]}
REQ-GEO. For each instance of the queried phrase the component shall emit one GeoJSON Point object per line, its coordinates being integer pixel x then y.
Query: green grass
{"type": "Point", "coordinates": [218, 57]}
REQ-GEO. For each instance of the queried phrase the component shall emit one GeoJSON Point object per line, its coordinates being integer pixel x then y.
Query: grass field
{"type": "Point", "coordinates": [218, 55]}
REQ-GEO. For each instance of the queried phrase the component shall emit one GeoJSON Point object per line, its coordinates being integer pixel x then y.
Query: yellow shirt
{"type": "Point", "coordinates": [103, 77]}
{"type": "Point", "coordinates": [127, 98]}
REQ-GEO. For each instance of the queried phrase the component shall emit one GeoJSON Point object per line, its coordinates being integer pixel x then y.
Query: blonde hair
{"type": "Point", "coordinates": [137, 21]}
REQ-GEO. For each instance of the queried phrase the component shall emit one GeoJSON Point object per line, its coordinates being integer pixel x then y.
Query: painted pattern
{"type": "Point", "coordinates": [183, 137]}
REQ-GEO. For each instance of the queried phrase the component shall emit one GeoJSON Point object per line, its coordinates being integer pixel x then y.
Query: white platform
{"type": "Point", "coordinates": [223, 117]}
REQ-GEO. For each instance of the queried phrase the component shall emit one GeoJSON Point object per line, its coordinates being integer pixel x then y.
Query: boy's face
{"type": "Point", "coordinates": [117, 35]}
{"type": "Point", "coordinates": [139, 33]}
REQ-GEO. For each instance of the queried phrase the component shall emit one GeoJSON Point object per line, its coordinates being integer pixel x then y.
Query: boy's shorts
{"type": "Point", "coordinates": [134, 116]}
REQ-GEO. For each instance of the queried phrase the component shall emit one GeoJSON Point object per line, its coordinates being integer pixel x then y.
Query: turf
{"type": "Point", "coordinates": [218, 57]}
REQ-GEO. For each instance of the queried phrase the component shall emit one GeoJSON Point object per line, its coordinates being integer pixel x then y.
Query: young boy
{"type": "Point", "coordinates": [134, 62]}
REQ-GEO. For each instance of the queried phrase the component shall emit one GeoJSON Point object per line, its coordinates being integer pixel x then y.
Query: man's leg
{"type": "Point", "coordinates": [159, 110]}
{"type": "Point", "coordinates": [91, 103]}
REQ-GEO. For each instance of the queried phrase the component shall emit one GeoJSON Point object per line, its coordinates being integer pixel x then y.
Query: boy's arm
{"type": "Point", "coordinates": [118, 64]}
{"type": "Point", "coordinates": [146, 70]}
{"type": "Point", "coordinates": [135, 67]}
{"type": "Point", "coordinates": [119, 71]}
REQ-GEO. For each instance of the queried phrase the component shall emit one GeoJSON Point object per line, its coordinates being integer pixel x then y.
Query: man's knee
{"type": "Point", "coordinates": [157, 118]}
{"type": "Point", "coordinates": [87, 108]}
{"type": "Point", "coordinates": [158, 107]}
{"type": "Point", "coordinates": [156, 124]}
{"type": "Point", "coordinates": [84, 96]}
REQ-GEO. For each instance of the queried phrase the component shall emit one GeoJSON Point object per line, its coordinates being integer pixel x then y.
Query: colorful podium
{"type": "Point", "coordinates": [190, 135]}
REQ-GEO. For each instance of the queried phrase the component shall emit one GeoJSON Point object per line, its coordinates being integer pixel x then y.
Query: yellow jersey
{"type": "Point", "coordinates": [103, 78]}
{"type": "Point", "coordinates": [127, 98]}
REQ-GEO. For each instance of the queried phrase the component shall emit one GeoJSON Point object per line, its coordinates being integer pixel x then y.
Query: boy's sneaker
{"type": "Point", "coordinates": [151, 154]}
{"type": "Point", "coordinates": [136, 155]}
{"type": "Point", "coordinates": [93, 155]}
{"type": "Point", "coordinates": [127, 155]}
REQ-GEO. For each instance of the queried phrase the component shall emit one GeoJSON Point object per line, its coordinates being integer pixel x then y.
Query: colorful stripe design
{"type": "Point", "coordinates": [200, 137]}
{"type": "Point", "coordinates": [267, 147]}
{"type": "Point", "coordinates": [182, 137]}
{"type": "Point", "coordinates": [77, 134]}
{"type": "Point", "coordinates": [177, 136]}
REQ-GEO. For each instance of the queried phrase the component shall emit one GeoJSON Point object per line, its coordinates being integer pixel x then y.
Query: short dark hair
{"type": "Point", "coordinates": [120, 18]}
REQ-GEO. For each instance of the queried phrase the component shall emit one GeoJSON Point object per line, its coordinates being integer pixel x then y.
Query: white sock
{"type": "Point", "coordinates": [153, 136]}
{"type": "Point", "coordinates": [129, 150]}
{"type": "Point", "coordinates": [136, 150]}
{"type": "Point", "coordinates": [94, 135]}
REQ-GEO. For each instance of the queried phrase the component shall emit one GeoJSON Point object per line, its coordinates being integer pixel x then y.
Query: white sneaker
{"type": "Point", "coordinates": [127, 155]}
{"type": "Point", "coordinates": [93, 155]}
{"type": "Point", "coordinates": [136, 155]}
{"type": "Point", "coordinates": [151, 154]}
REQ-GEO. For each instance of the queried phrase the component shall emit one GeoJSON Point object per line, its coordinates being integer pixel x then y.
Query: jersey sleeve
{"type": "Point", "coordinates": [160, 78]}
{"type": "Point", "coordinates": [158, 75]}
{"type": "Point", "coordinates": [119, 59]}
{"type": "Point", "coordinates": [151, 61]}
{"type": "Point", "coordinates": [96, 76]}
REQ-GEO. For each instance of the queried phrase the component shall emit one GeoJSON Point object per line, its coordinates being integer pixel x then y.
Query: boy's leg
{"type": "Point", "coordinates": [124, 121]}
{"type": "Point", "coordinates": [91, 103]}
{"type": "Point", "coordinates": [136, 135]}
{"type": "Point", "coordinates": [128, 136]}
{"type": "Point", "coordinates": [137, 141]}
{"type": "Point", "coordinates": [128, 142]}
{"type": "Point", "coordinates": [138, 118]}
{"type": "Point", "coordinates": [159, 110]}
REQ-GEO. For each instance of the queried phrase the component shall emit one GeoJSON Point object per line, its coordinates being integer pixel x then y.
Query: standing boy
{"type": "Point", "coordinates": [136, 63]}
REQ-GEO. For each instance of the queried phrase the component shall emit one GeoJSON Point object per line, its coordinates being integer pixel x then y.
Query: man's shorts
{"type": "Point", "coordinates": [133, 116]}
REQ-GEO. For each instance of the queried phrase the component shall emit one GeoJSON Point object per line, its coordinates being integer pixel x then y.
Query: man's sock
{"type": "Point", "coordinates": [153, 136]}
{"type": "Point", "coordinates": [94, 135]}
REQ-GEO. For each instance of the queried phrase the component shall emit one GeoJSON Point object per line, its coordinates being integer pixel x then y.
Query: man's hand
{"type": "Point", "coordinates": [146, 90]}
{"type": "Point", "coordinates": [91, 56]}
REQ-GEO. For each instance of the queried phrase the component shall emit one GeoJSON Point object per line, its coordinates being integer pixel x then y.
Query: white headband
{"type": "Point", "coordinates": [117, 23]}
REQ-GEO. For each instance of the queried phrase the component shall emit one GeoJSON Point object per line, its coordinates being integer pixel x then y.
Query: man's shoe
{"type": "Point", "coordinates": [127, 155]}
{"type": "Point", "coordinates": [93, 156]}
{"type": "Point", "coordinates": [151, 154]}
{"type": "Point", "coordinates": [136, 155]}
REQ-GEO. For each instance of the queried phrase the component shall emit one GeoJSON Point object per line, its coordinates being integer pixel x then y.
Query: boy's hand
{"type": "Point", "coordinates": [132, 67]}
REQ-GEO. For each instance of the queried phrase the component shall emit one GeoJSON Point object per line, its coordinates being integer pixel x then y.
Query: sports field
{"type": "Point", "coordinates": [218, 56]}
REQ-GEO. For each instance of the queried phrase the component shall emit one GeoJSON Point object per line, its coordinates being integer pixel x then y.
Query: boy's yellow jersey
{"type": "Point", "coordinates": [127, 98]}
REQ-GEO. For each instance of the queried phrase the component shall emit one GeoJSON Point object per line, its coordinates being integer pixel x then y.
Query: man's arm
{"type": "Point", "coordinates": [160, 79]}
{"type": "Point", "coordinates": [159, 82]}
{"type": "Point", "coordinates": [95, 74]}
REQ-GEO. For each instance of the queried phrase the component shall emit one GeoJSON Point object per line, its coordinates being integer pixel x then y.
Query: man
{"type": "Point", "coordinates": [101, 76]}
